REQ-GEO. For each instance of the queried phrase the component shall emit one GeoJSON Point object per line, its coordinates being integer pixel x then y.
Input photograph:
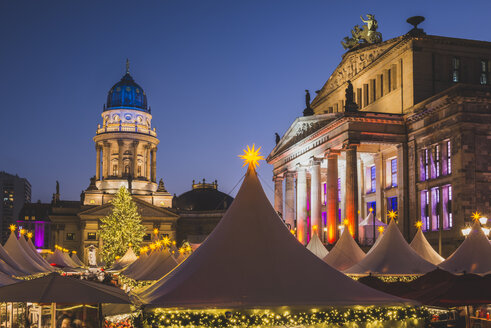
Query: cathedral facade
{"type": "Point", "coordinates": [402, 125]}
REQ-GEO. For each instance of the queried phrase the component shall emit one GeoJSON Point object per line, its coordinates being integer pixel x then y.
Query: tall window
{"type": "Point", "coordinates": [373, 206]}
{"type": "Point", "coordinates": [425, 218]}
{"type": "Point", "coordinates": [456, 69]}
{"type": "Point", "coordinates": [484, 72]}
{"type": "Point", "coordinates": [115, 169]}
{"type": "Point", "coordinates": [424, 161]}
{"type": "Point", "coordinates": [358, 97]}
{"type": "Point", "coordinates": [381, 79]}
{"type": "Point", "coordinates": [449, 158]}
{"type": "Point", "coordinates": [447, 207]}
{"type": "Point", "coordinates": [393, 171]}
{"type": "Point", "coordinates": [139, 170]}
{"type": "Point", "coordinates": [435, 208]}
{"type": "Point", "coordinates": [437, 161]}
{"type": "Point", "coordinates": [373, 179]}
{"type": "Point", "coordinates": [324, 193]}
{"type": "Point", "coordinates": [389, 80]}
{"type": "Point", "coordinates": [365, 95]}
{"type": "Point", "coordinates": [339, 189]}
{"type": "Point", "coordinates": [392, 204]}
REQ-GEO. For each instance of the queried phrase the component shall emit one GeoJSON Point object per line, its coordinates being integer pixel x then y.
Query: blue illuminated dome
{"type": "Point", "coordinates": [127, 94]}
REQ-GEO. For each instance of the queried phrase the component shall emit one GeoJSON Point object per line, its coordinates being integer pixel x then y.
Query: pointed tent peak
{"type": "Point", "coordinates": [392, 215]}
{"type": "Point", "coordinates": [29, 235]}
{"type": "Point", "coordinates": [421, 245]}
{"type": "Point", "coordinates": [315, 246]}
{"type": "Point", "coordinates": [345, 253]}
{"type": "Point", "coordinates": [251, 157]}
{"type": "Point", "coordinates": [418, 224]}
{"type": "Point", "coordinates": [476, 216]}
{"type": "Point", "coordinates": [12, 228]}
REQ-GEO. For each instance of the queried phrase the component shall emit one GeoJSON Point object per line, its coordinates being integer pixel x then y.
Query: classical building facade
{"type": "Point", "coordinates": [402, 125]}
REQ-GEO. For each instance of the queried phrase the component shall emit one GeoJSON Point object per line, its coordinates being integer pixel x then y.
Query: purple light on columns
{"type": "Point", "coordinates": [39, 234]}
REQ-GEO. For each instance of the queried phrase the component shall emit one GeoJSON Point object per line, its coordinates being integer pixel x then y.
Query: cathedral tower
{"type": "Point", "coordinates": [126, 148]}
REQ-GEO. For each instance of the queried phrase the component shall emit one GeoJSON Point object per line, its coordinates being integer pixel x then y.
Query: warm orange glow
{"type": "Point", "coordinates": [314, 227]}
{"type": "Point", "coordinates": [152, 246]}
{"type": "Point", "coordinates": [188, 248]}
{"type": "Point", "coordinates": [418, 224]}
{"type": "Point", "coordinates": [29, 235]}
{"type": "Point", "coordinates": [252, 157]}
{"type": "Point", "coordinates": [130, 244]}
{"type": "Point", "coordinates": [292, 232]}
{"type": "Point", "coordinates": [370, 209]}
{"type": "Point", "coordinates": [476, 216]}
{"type": "Point", "coordinates": [181, 250]}
{"type": "Point", "coordinates": [117, 257]}
{"type": "Point", "coordinates": [346, 222]}
{"type": "Point", "coordinates": [74, 252]}
{"type": "Point", "coordinates": [381, 229]}
{"type": "Point", "coordinates": [22, 232]}
{"type": "Point", "coordinates": [173, 242]}
{"type": "Point", "coordinates": [12, 227]}
{"type": "Point", "coordinates": [166, 241]}
{"type": "Point", "coordinates": [155, 231]}
{"type": "Point", "coordinates": [392, 214]}
{"type": "Point", "coordinates": [158, 243]}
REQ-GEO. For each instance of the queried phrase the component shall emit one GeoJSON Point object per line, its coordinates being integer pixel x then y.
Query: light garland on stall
{"type": "Point", "coordinates": [257, 318]}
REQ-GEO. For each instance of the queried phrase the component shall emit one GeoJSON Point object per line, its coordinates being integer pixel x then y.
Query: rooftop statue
{"type": "Point", "coordinates": [366, 34]}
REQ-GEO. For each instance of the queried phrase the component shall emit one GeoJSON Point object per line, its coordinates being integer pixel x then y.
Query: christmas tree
{"type": "Point", "coordinates": [121, 228]}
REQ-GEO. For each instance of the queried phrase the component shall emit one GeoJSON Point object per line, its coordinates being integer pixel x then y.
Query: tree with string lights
{"type": "Point", "coordinates": [121, 228]}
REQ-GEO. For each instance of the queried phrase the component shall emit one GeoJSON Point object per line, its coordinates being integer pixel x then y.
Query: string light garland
{"type": "Point", "coordinates": [258, 318]}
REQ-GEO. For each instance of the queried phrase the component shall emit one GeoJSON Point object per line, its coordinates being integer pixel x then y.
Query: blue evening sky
{"type": "Point", "coordinates": [218, 74]}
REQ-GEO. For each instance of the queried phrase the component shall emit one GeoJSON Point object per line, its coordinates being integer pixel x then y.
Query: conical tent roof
{"type": "Point", "coordinates": [136, 266]}
{"type": "Point", "coordinates": [367, 228]}
{"type": "Point", "coordinates": [6, 279]}
{"type": "Point", "coordinates": [69, 260]}
{"type": "Point", "coordinates": [17, 252]}
{"type": "Point", "coordinates": [421, 245]}
{"type": "Point", "coordinates": [345, 253]}
{"type": "Point", "coordinates": [392, 255]}
{"type": "Point", "coordinates": [128, 258]}
{"type": "Point", "coordinates": [374, 246]}
{"type": "Point", "coordinates": [251, 260]}
{"type": "Point", "coordinates": [158, 265]}
{"type": "Point", "coordinates": [4, 255]}
{"type": "Point", "coordinates": [59, 259]}
{"type": "Point", "coordinates": [76, 260]}
{"type": "Point", "coordinates": [34, 254]}
{"type": "Point", "coordinates": [472, 256]}
{"type": "Point", "coordinates": [315, 246]}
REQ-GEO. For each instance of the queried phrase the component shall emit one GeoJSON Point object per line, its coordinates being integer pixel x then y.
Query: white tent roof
{"type": "Point", "coordinates": [17, 252]}
{"type": "Point", "coordinates": [368, 221]}
{"type": "Point", "coordinates": [34, 254]}
{"type": "Point", "coordinates": [158, 265]}
{"type": "Point", "coordinates": [379, 238]}
{"type": "Point", "coordinates": [135, 266]}
{"type": "Point", "coordinates": [59, 259]}
{"type": "Point", "coordinates": [392, 255]}
{"type": "Point", "coordinates": [472, 256]}
{"type": "Point", "coordinates": [6, 279]}
{"type": "Point", "coordinates": [421, 245]}
{"type": "Point", "coordinates": [128, 258]}
{"type": "Point", "coordinates": [76, 260]}
{"type": "Point", "coordinates": [69, 260]}
{"type": "Point", "coordinates": [4, 255]}
{"type": "Point", "coordinates": [315, 246]}
{"type": "Point", "coordinates": [345, 253]}
{"type": "Point", "coordinates": [252, 260]}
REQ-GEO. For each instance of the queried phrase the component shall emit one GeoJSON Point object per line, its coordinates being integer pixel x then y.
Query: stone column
{"type": "Point", "coordinates": [120, 158]}
{"type": "Point", "coordinates": [278, 194]}
{"type": "Point", "coordinates": [154, 164]}
{"type": "Point", "coordinates": [135, 159]}
{"type": "Point", "coordinates": [289, 212]}
{"type": "Point", "coordinates": [403, 191]}
{"type": "Point", "coordinates": [107, 158]}
{"type": "Point", "coordinates": [315, 198]}
{"type": "Point", "coordinates": [380, 178]}
{"type": "Point", "coordinates": [98, 161]}
{"type": "Point", "coordinates": [332, 197]}
{"type": "Point", "coordinates": [147, 161]}
{"type": "Point", "coordinates": [302, 205]}
{"type": "Point", "coordinates": [352, 190]}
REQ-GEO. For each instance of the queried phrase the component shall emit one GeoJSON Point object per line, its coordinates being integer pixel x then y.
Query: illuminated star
{"type": "Point", "coordinates": [166, 241]}
{"type": "Point", "coordinates": [476, 216]}
{"type": "Point", "coordinates": [29, 235]}
{"type": "Point", "coordinates": [381, 229]}
{"type": "Point", "coordinates": [22, 232]}
{"type": "Point", "coordinates": [12, 227]}
{"type": "Point", "coordinates": [155, 231]}
{"type": "Point", "coordinates": [370, 209]}
{"type": "Point", "coordinates": [418, 224]}
{"type": "Point", "coordinates": [346, 222]}
{"type": "Point", "coordinates": [392, 214]}
{"type": "Point", "coordinates": [252, 157]}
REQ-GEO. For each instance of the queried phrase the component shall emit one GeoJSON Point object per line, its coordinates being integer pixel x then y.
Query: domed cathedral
{"type": "Point", "coordinates": [126, 148]}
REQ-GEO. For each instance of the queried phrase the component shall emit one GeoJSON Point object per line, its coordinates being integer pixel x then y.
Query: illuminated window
{"type": "Point", "coordinates": [437, 161]}
{"type": "Point", "coordinates": [373, 206]}
{"type": "Point", "coordinates": [393, 172]}
{"type": "Point", "coordinates": [425, 201]}
{"type": "Point", "coordinates": [91, 236]}
{"type": "Point", "coordinates": [392, 204]}
{"type": "Point", "coordinates": [449, 158]}
{"type": "Point", "coordinates": [339, 189]}
{"type": "Point", "coordinates": [127, 169]}
{"type": "Point", "coordinates": [70, 236]}
{"type": "Point", "coordinates": [373, 179]}
{"type": "Point", "coordinates": [324, 193]}
{"type": "Point", "coordinates": [447, 207]}
{"type": "Point", "coordinates": [455, 69]}
{"type": "Point", "coordinates": [484, 72]}
{"type": "Point", "coordinates": [435, 208]}
{"type": "Point", "coordinates": [426, 164]}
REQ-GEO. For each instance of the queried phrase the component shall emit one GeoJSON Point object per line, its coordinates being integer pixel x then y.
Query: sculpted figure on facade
{"type": "Point", "coordinates": [366, 34]}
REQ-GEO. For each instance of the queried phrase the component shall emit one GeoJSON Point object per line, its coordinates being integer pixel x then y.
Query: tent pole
{"type": "Point", "coordinates": [101, 319]}
{"type": "Point", "coordinates": [53, 315]}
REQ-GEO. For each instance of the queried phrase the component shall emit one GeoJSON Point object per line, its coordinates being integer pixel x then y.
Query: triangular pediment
{"type": "Point", "coordinates": [302, 128]}
{"type": "Point", "coordinates": [353, 63]}
{"type": "Point", "coordinates": [145, 209]}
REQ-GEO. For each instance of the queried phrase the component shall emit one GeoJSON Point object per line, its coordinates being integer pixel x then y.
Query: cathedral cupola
{"type": "Point", "coordinates": [127, 94]}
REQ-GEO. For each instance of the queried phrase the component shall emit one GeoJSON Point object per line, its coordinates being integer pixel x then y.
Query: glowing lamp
{"type": "Point", "coordinates": [181, 250]}
{"type": "Point", "coordinates": [466, 231]}
{"type": "Point", "coordinates": [325, 229]}
{"type": "Point", "coordinates": [476, 216]}
{"type": "Point", "coordinates": [74, 252]}
{"type": "Point", "coordinates": [152, 246]}
{"type": "Point", "coordinates": [392, 214]}
{"type": "Point", "coordinates": [22, 232]}
{"type": "Point", "coordinates": [251, 157]}
{"type": "Point", "coordinates": [117, 257]}
{"type": "Point", "coordinates": [346, 222]}
{"type": "Point", "coordinates": [173, 242]}
{"type": "Point", "coordinates": [29, 235]}
{"type": "Point", "coordinates": [485, 230]}
{"type": "Point", "coordinates": [12, 227]}
{"type": "Point", "coordinates": [483, 220]}
{"type": "Point", "coordinates": [130, 244]}
{"type": "Point", "coordinates": [341, 226]}
{"type": "Point", "coordinates": [155, 231]}
{"type": "Point", "coordinates": [292, 231]}
{"type": "Point", "coordinates": [188, 248]}
{"type": "Point", "coordinates": [370, 209]}
{"type": "Point", "coordinates": [166, 241]}
{"type": "Point", "coordinates": [314, 227]}
{"type": "Point", "coordinates": [381, 229]}
{"type": "Point", "coordinates": [418, 224]}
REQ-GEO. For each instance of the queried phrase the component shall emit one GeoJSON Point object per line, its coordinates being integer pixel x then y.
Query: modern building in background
{"type": "Point", "coordinates": [16, 192]}
{"type": "Point", "coordinates": [126, 148]}
{"type": "Point", "coordinates": [402, 125]}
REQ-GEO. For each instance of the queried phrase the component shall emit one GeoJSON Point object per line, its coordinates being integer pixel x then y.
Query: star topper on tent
{"type": "Point", "coordinates": [251, 156]}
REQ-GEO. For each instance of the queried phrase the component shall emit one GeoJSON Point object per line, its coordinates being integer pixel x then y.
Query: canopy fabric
{"type": "Point", "coordinates": [8, 270]}
{"type": "Point", "coordinates": [345, 253]}
{"type": "Point", "coordinates": [76, 260]}
{"type": "Point", "coordinates": [181, 257]}
{"type": "Point", "coordinates": [128, 258]}
{"type": "Point", "coordinates": [392, 255]}
{"type": "Point", "coordinates": [472, 256]}
{"type": "Point", "coordinates": [54, 288]}
{"type": "Point", "coordinates": [20, 256]}
{"type": "Point", "coordinates": [34, 254]}
{"type": "Point", "coordinates": [379, 238]}
{"type": "Point", "coordinates": [315, 246]}
{"type": "Point", "coordinates": [421, 245]}
{"type": "Point", "coordinates": [366, 229]}
{"type": "Point", "coordinates": [135, 266]}
{"type": "Point", "coordinates": [252, 260]}
{"type": "Point", "coordinates": [158, 265]}
{"type": "Point", "coordinates": [69, 260]}
{"type": "Point", "coordinates": [4, 255]}
{"type": "Point", "coordinates": [59, 259]}
{"type": "Point", "coordinates": [6, 279]}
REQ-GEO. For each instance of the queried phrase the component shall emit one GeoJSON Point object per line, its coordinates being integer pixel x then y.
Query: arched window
{"type": "Point", "coordinates": [115, 169]}
{"type": "Point", "coordinates": [139, 170]}
{"type": "Point", "coordinates": [127, 169]}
